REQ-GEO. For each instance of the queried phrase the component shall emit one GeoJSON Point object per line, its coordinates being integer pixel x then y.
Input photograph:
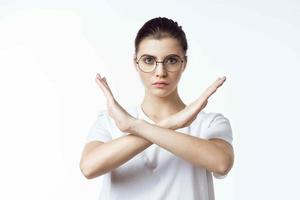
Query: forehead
{"type": "Point", "coordinates": [160, 47]}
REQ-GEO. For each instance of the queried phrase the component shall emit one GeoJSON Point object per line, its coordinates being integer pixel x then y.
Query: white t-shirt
{"type": "Point", "coordinates": [155, 173]}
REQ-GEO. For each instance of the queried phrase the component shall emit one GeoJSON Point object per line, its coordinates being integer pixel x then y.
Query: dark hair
{"type": "Point", "coordinates": [161, 27]}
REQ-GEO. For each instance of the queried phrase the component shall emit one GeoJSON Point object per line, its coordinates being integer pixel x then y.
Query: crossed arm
{"type": "Point", "coordinates": [215, 155]}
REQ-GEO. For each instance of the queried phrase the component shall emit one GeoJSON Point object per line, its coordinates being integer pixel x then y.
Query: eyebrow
{"type": "Point", "coordinates": [156, 57]}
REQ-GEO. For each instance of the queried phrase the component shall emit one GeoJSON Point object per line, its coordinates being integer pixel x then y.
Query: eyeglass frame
{"type": "Point", "coordinates": [137, 62]}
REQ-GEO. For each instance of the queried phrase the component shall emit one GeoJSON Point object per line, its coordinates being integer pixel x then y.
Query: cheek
{"type": "Point", "coordinates": [175, 78]}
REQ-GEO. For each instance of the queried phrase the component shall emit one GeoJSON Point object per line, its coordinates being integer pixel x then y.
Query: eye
{"type": "Point", "coordinates": [148, 60]}
{"type": "Point", "coordinates": [172, 60]}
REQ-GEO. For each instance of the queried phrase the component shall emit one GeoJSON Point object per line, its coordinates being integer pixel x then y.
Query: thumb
{"type": "Point", "coordinates": [204, 104]}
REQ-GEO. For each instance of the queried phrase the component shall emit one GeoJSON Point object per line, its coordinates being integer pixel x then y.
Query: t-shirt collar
{"type": "Point", "coordinates": [142, 115]}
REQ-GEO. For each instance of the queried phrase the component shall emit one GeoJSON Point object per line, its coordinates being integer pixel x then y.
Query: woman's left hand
{"type": "Point", "coordinates": [121, 117]}
{"type": "Point", "coordinates": [186, 116]}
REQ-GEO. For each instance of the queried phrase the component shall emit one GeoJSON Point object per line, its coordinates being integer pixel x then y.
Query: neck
{"type": "Point", "coordinates": [157, 108]}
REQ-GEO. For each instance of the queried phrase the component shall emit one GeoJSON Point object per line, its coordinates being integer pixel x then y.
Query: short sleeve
{"type": "Point", "coordinates": [99, 130]}
{"type": "Point", "coordinates": [218, 126]}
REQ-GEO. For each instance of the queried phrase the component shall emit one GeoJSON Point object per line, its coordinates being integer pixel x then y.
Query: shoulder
{"type": "Point", "coordinates": [207, 119]}
{"type": "Point", "coordinates": [213, 125]}
{"type": "Point", "coordinates": [131, 109]}
{"type": "Point", "coordinates": [102, 114]}
{"type": "Point", "coordinates": [212, 118]}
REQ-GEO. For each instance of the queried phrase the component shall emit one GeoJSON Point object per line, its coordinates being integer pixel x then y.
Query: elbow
{"type": "Point", "coordinates": [222, 170]}
{"type": "Point", "coordinates": [85, 170]}
{"type": "Point", "coordinates": [88, 171]}
{"type": "Point", "coordinates": [224, 167]}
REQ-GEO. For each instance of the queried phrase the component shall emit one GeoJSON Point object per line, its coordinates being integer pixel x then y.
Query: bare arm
{"type": "Point", "coordinates": [215, 155]}
{"type": "Point", "coordinates": [99, 158]}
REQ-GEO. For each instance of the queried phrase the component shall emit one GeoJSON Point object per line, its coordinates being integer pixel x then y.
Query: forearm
{"type": "Point", "coordinates": [113, 154]}
{"type": "Point", "coordinates": [199, 152]}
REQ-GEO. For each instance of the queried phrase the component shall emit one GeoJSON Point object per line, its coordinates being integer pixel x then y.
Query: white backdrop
{"type": "Point", "coordinates": [50, 52]}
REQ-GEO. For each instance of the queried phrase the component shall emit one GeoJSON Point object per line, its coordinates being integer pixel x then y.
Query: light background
{"type": "Point", "coordinates": [50, 52]}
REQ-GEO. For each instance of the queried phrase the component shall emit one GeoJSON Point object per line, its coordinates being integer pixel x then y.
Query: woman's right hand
{"type": "Point", "coordinates": [186, 116]}
{"type": "Point", "coordinates": [121, 117]}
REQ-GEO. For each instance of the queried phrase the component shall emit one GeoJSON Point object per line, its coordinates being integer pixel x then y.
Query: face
{"type": "Point", "coordinates": [160, 49]}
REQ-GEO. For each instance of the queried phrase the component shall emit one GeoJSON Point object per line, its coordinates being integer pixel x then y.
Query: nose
{"type": "Point", "coordinates": [160, 70]}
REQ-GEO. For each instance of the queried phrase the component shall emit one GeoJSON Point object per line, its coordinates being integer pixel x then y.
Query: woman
{"type": "Point", "coordinates": [162, 148]}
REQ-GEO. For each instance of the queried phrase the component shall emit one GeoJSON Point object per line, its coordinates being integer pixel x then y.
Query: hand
{"type": "Point", "coordinates": [122, 118]}
{"type": "Point", "coordinates": [186, 116]}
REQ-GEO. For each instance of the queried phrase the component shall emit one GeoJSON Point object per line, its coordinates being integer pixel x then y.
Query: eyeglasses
{"type": "Point", "coordinates": [148, 63]}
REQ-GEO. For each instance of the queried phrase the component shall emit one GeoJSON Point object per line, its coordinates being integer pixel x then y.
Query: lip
{"type": "Point", "coordinates": [160, 82]}
{"type": "Point", "coordinates": [159, 85]}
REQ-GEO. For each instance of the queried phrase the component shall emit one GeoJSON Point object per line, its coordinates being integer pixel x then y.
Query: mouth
{"type": "Point", "coordinates": [160, 85]}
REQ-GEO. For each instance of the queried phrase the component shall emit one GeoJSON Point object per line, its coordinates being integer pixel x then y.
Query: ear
{"type": "Point", "coordinates": [134, 62]}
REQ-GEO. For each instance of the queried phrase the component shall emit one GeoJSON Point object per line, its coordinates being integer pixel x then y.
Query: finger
{"type": "Point", "coordinates": [101, 81]}
{"type": "Point", "coordinates": [213, 88]}
{"type": "Point", "coordinates": [219, 82]}
{"type": "Point", "coordinates": [107, 86]}
{"type": "Point", "coordinates": [99, 77]}
{"type": "Point", "coordinates": [103, 85]}
{"type": "Point", "coordinates": [204, 104]}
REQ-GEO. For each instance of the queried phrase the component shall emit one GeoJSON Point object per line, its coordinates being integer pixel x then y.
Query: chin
{"type": "Point", "coordinates": [161, 93]}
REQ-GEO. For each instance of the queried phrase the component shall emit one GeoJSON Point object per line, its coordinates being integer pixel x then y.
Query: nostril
{"type": "Point", "coordinates": [161, 75]}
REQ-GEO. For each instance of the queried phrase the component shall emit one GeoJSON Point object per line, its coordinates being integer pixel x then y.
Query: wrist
{"type": "Point", "coordinates": [163, 123]}
{"type": "Point", "coordinates": [134, 125]}
{"type": "Point", "coordinates": [166, 123]}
